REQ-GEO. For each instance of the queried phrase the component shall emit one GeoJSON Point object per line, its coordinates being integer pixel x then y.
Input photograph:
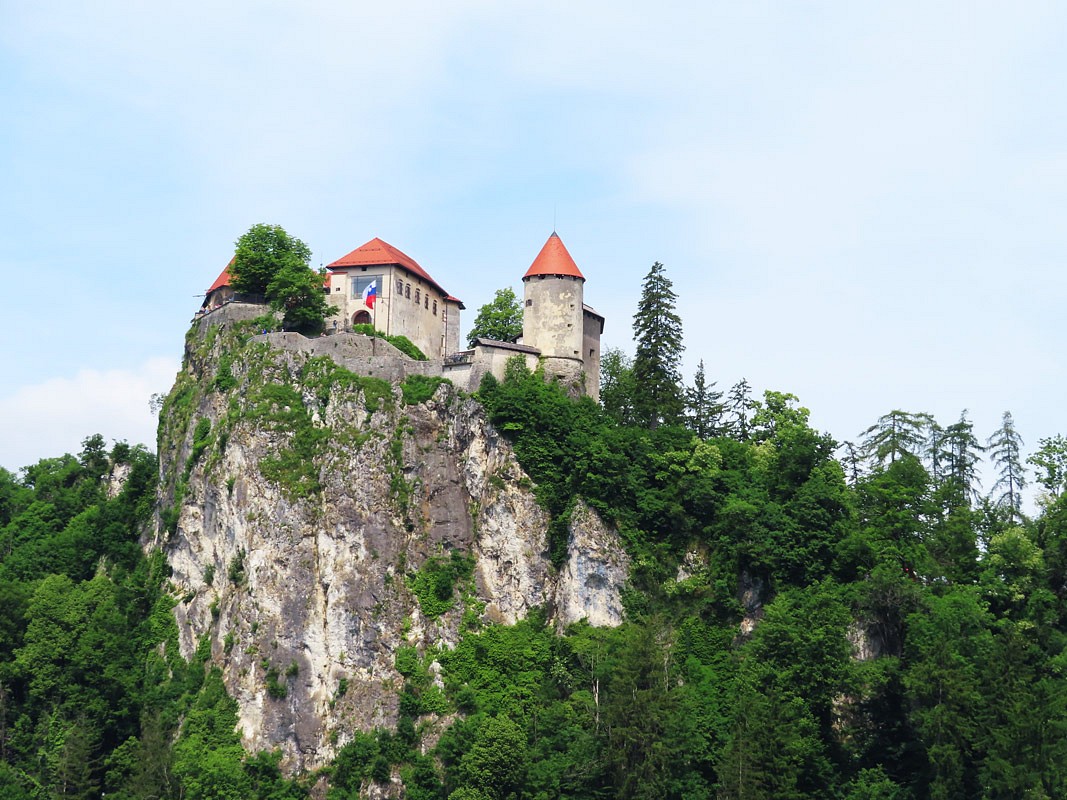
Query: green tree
{"type": "Point", "coordinates": [296, 292]}
{"type": "Point", "coordinates": [703, 405]}
{"type": "Point", "coordinates": [261, 254]}
{"type": "Point", "coordinates": [740, 408]}
{"type": "Point", "coordinates": [1051, 463]}
{"type": "Point", "coordinates": [894, 435]}
{"type": "Point", "coordinates": [958, 457]}
{"type": "Point", "coordinates": [274, 264]}
{"type": "Point", "coordinates": [617, 385]}
{"type": "Point", "coordinates": [499, 319]}
{"type": "Point", "coordinates": [1005, 445]}
{"type": "Point", "coordinates": [656, 368]}
{"type": "Point", "coordinates": [497, 762]}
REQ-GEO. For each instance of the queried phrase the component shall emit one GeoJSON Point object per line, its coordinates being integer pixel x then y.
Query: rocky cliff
{"type": "Point", "coordinates": [316, 520]}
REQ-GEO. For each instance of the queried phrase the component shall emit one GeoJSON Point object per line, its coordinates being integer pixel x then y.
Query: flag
{"type": "Point", "coordinates": [370, 294]}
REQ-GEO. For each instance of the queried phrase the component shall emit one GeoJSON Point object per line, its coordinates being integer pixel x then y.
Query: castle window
{"type": "Point", "coordinates": [417, 296]}
{"type": "Point", "coordinates": [399, 287]}
{"type": "Point", "coordinates": [426, 301]}
{"type": "Point", "coordinates": [407, 291]}
{"type": "Point", "coordinates": [359, 284]}
{"type": "Point", "coordinates": [435, 308]}
{"type": "Point", "coordinates": [529, 302]}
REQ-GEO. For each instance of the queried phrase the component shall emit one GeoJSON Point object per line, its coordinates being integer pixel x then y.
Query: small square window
{"type": "Point", "coordinates": [529, 302]}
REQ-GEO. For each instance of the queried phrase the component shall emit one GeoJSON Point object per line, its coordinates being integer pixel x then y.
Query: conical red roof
{"type": "Point", "coordinates": [554, 260]}
{"type": "Point", "coordinates": [376, 253]}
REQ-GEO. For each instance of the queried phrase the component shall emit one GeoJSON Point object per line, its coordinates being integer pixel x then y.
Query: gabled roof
{"type": "Point", "coordinates": [554, 260]}
{"type": "Point", "coordinates": [223, 279]}
{"type": "Point", "coordinates": [378, 253]}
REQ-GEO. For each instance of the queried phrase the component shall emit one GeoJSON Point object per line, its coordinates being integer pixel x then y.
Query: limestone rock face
{"type": "Point", "coordinates": [596, 566]}
{"type": "Point", "coordinates": [296, 524]}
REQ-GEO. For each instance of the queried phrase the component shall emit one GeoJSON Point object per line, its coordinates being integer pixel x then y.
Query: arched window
{"type": "Point", "coordinates": [361, 318]}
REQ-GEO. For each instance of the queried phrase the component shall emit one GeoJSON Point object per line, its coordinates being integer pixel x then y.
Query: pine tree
{"type": "Point", "coordinates": [703, 405]}
{"type": "Point", "coordinates": [656, 369]}
{"type": "Point", "coordinates": [1005, 447]}
{"type": "Point", "coordinates": [894, 435]}
{"type": "Point", "coordinates": [741, 408]}
{"type": "Point", "coordinates": [961, 454]}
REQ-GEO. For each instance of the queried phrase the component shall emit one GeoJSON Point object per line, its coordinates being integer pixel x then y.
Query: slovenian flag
{"type": "Point", "coordinates": [370, 294]}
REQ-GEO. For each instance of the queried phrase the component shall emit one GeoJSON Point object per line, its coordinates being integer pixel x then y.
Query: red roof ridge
{"type": "Point", "coordinates": [554, 260]}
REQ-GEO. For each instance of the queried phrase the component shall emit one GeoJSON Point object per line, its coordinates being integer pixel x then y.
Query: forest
{"type": "Point", "coordinates": [805, 618]}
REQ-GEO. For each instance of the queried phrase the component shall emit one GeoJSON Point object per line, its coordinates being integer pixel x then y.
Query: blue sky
{"type": "Point", "coordinates": [862, 204]}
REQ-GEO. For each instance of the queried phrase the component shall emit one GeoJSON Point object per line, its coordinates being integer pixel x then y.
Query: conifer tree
{"type": "Point", "coordinates": [1005, 447]}
{"type": "Point", "coordinates": [656, 369]}
{"type": "Point", "coordinates": [703, 405]}
{"type": "Point", "coordinates": [894, 435]}
{"type": "Point", "coordinates": [958, 456]}
{"type": "Point", "coordinates": [741, 408]}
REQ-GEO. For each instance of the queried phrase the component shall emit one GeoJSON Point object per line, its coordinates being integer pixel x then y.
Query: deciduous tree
{"type": "Point", "coordinates": [499, 319]}
{"type": "Point", "coordinates": [274, 264]}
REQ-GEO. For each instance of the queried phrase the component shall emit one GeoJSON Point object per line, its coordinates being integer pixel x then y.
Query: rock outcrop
{"type": "Point", "coordinates": [301, 505]}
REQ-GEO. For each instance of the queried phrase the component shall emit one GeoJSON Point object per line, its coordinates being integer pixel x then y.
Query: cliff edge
{"type": "Point", "coordinates": [317, 519]}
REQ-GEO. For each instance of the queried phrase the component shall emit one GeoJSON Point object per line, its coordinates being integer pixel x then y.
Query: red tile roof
{"type": "Point", "coordinates": [223, 279]}
{"type": "Point", "coordinates": [554, 260]}
{"type": "Point", "coordinates": [377, 253]}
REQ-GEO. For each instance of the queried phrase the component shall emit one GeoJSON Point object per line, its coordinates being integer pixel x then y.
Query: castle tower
{"type": "Point", "coordinates": [553, 317]}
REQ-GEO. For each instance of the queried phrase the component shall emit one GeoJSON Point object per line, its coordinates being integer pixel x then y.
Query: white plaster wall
{"type": "Point", "coordinates": [552, 315]}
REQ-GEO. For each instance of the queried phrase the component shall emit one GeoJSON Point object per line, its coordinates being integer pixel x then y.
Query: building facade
{"type": "Point", "coordinates": [377, 284]}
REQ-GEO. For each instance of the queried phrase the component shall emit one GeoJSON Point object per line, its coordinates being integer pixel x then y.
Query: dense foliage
{"type": "Point", "coordinates": [271, 263]}
{"type": "Point", "coordinates": [94, 698]}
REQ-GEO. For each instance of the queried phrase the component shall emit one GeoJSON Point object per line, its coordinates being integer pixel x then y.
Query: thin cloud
{"type": "Point", "coordinates": [48, 419]}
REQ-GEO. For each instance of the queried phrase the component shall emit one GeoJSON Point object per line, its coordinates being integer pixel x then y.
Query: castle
{"type": "Point", "coordinates": [378, 284]}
